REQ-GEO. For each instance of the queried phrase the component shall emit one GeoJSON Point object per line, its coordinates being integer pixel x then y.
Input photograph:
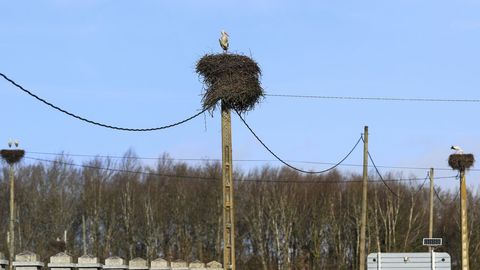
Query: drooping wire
{"type": "Point", "coordinates": [423, 184]}
{"type": "Point", "coordinates": [438, 197]}
{"type": "Point", "coordinates": [385, 182]}
{"type": "Point", "coordinates": [94, 122]}
{"type": "Point", "coordinates": [454, 198]}
{"type": "Point", "coordinates": [378, 172]}
{"type": "Point", "coordinates": [381, 177]}
{"type": "Point", "coordinates": [286, 163]}
{"type": "Point", "coordinates": [374, 98]}
{"type": "Point", "coordinates": [441, 200]}
{"type": "Point", "coordinates": [458, 192]}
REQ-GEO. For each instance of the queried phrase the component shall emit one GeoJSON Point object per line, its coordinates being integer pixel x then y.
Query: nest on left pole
{"type": "Point", "coordinates": [12, 156]}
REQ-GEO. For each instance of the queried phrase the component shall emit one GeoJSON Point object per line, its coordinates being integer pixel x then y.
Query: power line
{"type": "Point", "coordinates": [98, 123]}
{"type": "Point", "coordinates": [380, 175]}
{"type": "Point", "coordinates": [289, 165]}
{"type": "Point", "coordinates": [205, 109]}
{"type": "Point", "coordinates": [375, 98]}
{"type": "Point", "coordinates": [378, 172]}
{"type": "Point", "coordinates": [438, 197]}
{"type": "Point", "coordinates": [290, 180]}
{"type": "Point", "coordinates": [423, 184]}
{"type": "Point", "coordinates": [236, 160]}
{"type": "Point", "coordinates": [119, 157]}
{"type": "Point", "coordinates": [246, 180]}
{"type": "Point", "coordinates": [121, 170]}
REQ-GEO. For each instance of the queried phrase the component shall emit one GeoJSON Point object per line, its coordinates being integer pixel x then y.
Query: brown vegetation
{"type": "Point", "coordinates": [296, 222]}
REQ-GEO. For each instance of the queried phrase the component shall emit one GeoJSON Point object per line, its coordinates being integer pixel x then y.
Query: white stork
{"type": "Point", "coordinates": [457, 149]}
{"type": "Point", "coordinates": [10, 142]}
{"type": "Point", "coordinates": [224, 41]}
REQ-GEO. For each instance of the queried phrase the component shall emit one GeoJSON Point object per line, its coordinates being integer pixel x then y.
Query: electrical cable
{"type": "Point", "coordinates": [381, 177]}
{"type": "Point", "coordinates": [121, 170]}
{"type": "Point", "coordinates": [289, 165]}
{"type": "Point", "coordinates": [441, 200]}
{"type": "Point", "coordinates": [438, 197]}
{"type": "Point", "coordinates": [375, 98]}
{"type": "Point", "coordinates": [384, 182]}
{"type": "Point", "coordinates": [98, 123]}
{"type": "Point", "coordinates": [186, 177]}
{"type": "Point", "coordinates": [458, 192]}
{"type": "Point", "coordinates": [423, 184]}
{"type": "Point", "coordinates": [235, 160]}
{"type": "Point", "coordinates": [378, 172]}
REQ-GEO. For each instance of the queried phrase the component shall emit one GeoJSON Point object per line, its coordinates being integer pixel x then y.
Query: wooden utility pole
{"type": "Point", "coordinates": [227, 183]}
{"type": "Point", "coordinates": [362, 257]}
{"type": "Point", "coordinates": [11, 238]}
{"type": "Point", "coordinates": [430, 223]}
{"type": "Point", "coordinates": [464, 222]}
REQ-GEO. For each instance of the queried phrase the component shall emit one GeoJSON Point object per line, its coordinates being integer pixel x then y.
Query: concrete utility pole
{"type": "Point", "coordinates": [464, 222]}
{"type": "Point", "coordinates": [84, 235]}
{"type": "Point", "coordinates": [430, 223]}
{"type": "Point", "coordinates": [362, 257]}
{"type": "Point", "coordinates": [11, 252]}
{"type": "Point", "coordinates": [227, 183]}
{"type": "Point", "coordinates": [12, 156]}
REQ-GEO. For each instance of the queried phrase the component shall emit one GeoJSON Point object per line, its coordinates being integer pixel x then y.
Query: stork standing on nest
{"type": "Point", "coordinates": [12, 142]}
{"type": "Point", "coordinates": [457, 149]}
{"type": "Point", "coordinates": [224, 41]}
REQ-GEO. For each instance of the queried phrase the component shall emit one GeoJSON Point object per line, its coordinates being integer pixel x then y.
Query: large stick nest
{"type": "Point", "coordinates": [231, 78]}
{"type": "Point", "coordinates": [12, 156]}
{"type": "Point", "coordinates": [461, 161]}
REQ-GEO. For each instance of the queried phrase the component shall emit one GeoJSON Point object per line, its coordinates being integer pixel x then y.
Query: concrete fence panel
{"type": "Point", "coordinates": [138, 264]}
{"type": "Point", "coordinates": [27, 260]}
{"type": "Point", "coordinates": [88, 262]}
{"type": "Point", "coordinates": [213, 265]}
{"type": "Point", "coordinates": [159, 264]}
{"type": "Point", "coordinates": [179, 265]}
{"type": "Point", "coordinates": [62, 261]}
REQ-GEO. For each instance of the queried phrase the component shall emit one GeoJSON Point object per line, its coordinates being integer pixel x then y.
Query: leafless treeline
{"type": "Point", "coordinates": [174, 210]}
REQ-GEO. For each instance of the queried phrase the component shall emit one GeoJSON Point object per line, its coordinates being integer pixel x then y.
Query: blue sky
{"type": "Point", "coordinates": [131, 63]}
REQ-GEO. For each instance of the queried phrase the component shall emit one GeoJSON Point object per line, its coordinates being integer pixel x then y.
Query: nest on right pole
{"type": "Point", "coordinates": [461, 162]}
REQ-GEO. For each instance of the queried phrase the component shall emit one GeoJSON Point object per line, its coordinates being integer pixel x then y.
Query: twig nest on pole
{"type": "Point", "coordinates": [231, 78]}
{"type": "Point", "coordinates": [461, 161]}
{"type": "Point", "coordinates": [12, 156]}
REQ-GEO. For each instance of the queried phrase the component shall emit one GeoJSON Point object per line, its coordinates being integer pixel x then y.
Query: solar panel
{"type": "Point", "coordinates": [432, 242]}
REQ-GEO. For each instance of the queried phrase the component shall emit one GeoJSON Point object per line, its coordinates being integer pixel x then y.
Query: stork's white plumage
{"type": "Point", "coordinates": [16, 143]}
{"type": "Point", "coordinates": [224, 41]}
{"type": "Point", "coordinates": [10, 143]}
{"type": "Point", "coordinates": [457, 149]}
